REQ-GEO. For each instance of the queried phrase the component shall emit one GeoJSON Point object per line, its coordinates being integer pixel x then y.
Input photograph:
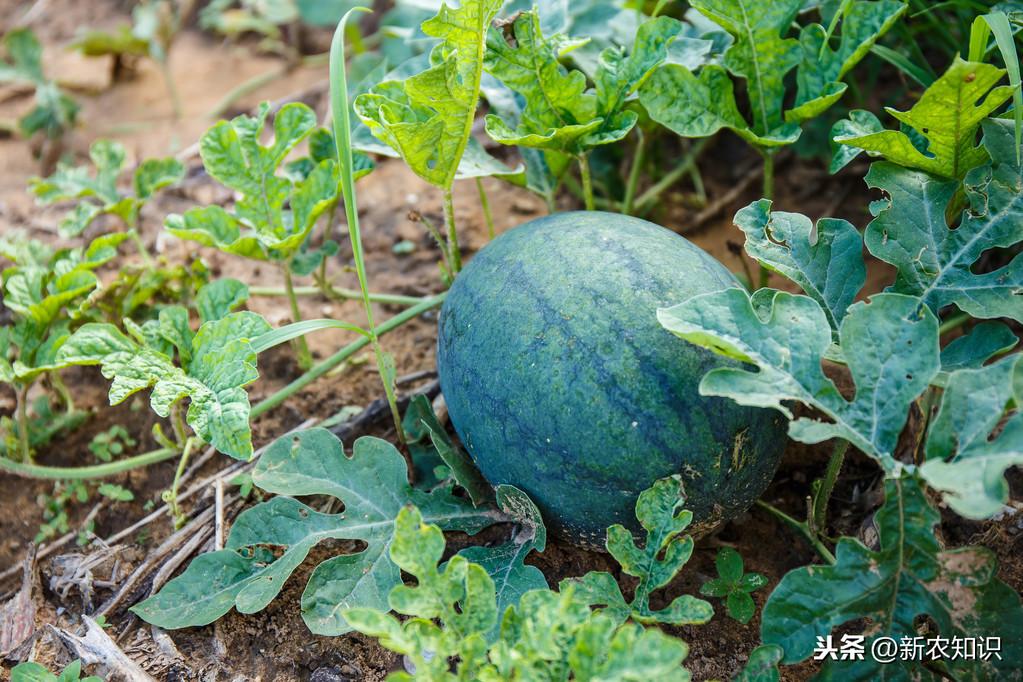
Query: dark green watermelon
{"type": "Point", "coordinates": [560, 381]}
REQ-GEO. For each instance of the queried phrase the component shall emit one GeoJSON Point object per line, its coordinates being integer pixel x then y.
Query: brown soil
{"type": "Point", "coordinates": [275, 644]}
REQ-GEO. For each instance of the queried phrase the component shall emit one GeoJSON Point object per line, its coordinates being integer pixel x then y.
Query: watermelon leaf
{"type": "Point", "coordinates": [825, 260]}
{"type": "Point", "coordinates": [908, 577]}
{"type": "Point", "coordinates": [762, 665]}
{"type": "Point", "coordinates": [545, 636]}
{"type": "Point", "coordinates": [948, 116]}
{"type": "Point", "coordinates": [890, 344]}
{"type": "Point", "coordinates": [372, 483]}
{"type": "Point", "coordinates": [977, 346]}
{"type": "Point", "coordinates": [75, 183]}
{"type": "Point", "coordinates": [660, 512]}
{"type": "Point", "coordinates": [734, 585]}
{"type": "Point", "coordinates": [933, 260]}
{"type": "Point", "coordinates": [964, 460]}
{"type": "Point", "coordinates": [427, 118]}
{"type": "Point", "coordinates": [261, 227]}
{"type": "Point", "coordinates": [505, 563]}
{"type": "Point", "coordinates": [858, 124]}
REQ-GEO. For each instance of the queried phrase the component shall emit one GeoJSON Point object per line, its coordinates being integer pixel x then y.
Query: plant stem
{"type": "Point", "coordinates": [61, 389]}
{"type": "Point", "coordinates": [827, 486]}
{"type": "Point", "coordinates": [305, 358]}
{"type": "Point", "coordinates": [953, 322]}
{"type": "Point", "coordinates": [633, 182]}
{"type": "Point", "coordinates": [485, 204]}
{"type": "Point", "coordinates": [22, 417]}
{"type": "Point", "coordinates": [335, 292]}
{"type": "Point", "coordinates": [341, 355]}
{"type": "Point", "coordinates": [172, 87]}
{"type": "Point", "coordinates": [651, 195]}
{"type": "Point", "coordinates": [140, 245]}
{"type": "Point", "coordinates": [800, 528]}
{"type": "Point", "coordinates": [587, 180]}
{"type": "Point", "coordinates": [171, 496]}
{"type": "Point", "coordinates": [87, 472]}
{"type": "Point", "coordinates": [454, 253]}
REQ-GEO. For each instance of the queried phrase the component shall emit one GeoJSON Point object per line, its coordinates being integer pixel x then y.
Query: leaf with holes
{"type": "Point", "coordinates": [505, 563]}
{"type": "Point", "coordinates": [268, 542]}
{"type": "Point", "coordinates": [890, 344]}
{"type": "Point", "coordinates": [909, 577]}
{"type": "Point", "coordinates": [936, 262]}
{"type": "Point", "coordinates": [825, 260]}
{"type": "Point", "coordinates": [969, 446]}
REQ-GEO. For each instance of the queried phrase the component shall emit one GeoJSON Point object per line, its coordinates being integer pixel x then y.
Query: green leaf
{"type": "Point", "coordinates": [619, 76]}
{"type": "Point", "coordinates": [699, 106]}
{"type": "Point", "coordinates": [822, 69]}
{"type": "Point", "coordinates": [660, 512]}
{"type": "Point", "coordinates": [222, 363]}
{"type": "Point", "coordinates": [734, 585]}
{"type": "Point", "coordinates": [505, 563]}
{"type": "Point", "coordinates": [859, 124]}
{"type": "Point", "coordinates": [966, 460]}
{"type": "Point", "coordinates": [220, 297]}
{"type": "Point", "coordinates": [119, 42]}
{"type": "Point", "coordinates": [100, 189]}
{"type": "Point", "coordinates": [759, 54]}
{"type": "Point", "coordinates": [373, 485]}
{"type": "Point", "coordinates": [425, 424]}
{"type": "Point", "coordinates": [25, 55]}
{"type": "Point", "coordinates": [908, 577]}
{"type": "Point", "coordinates": [948, 116]}
{"type": "Point", "coordinates": [890, 345]}
{"type": "Point", "coordinates": [983, 342]}
{"type": "Point", "coordinates": [825, 260]}
{"type": "Point", "coordinates": [560, 114]}
{"type": "Point", "coordinates": [428, 118]}
{"type": "Point", "coordinates": [762, 665]}
{"type": "Point", "coordinates": [115, 492]}
{"type": "Point", "coordinates": [934, 261]}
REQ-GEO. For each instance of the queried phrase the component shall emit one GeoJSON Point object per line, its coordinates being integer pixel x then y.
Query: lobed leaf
{"type": "Point", "coordinates": [948, 115]}
{"type": "Point", "coordinates": [909, 577]}
{"type": "Point", "coordinates": [969, 448]}
{"type": "Point", "coordinates": [825, 260]}
{"type": "Point", "coordinates": [890, 345]}
{"type": "Point", "coordinates": [374, 487]}
{"type": "Point", "coordinates": [660, 512]}
{"type": "Point", "coordinates": [935, 261]}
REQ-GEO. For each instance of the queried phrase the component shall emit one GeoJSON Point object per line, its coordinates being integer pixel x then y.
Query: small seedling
{"type": "Point", "coordinates": [110, 443]}
{"type": "Point", "coordinates": [733, 585]}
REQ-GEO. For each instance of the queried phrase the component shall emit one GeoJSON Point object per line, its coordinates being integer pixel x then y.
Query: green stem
{"type": "Point", "coordinates": [342, 355]}
{"type": "Point", "coordinates": [172, 88]}
{"type": "Point", "coordinates": [800, 528]}
{"type": "Point", "coordinates": [335, 292]}
{"type": "Point", "coordinates": [953, 322]}
{"type": "Point", "coordinates": [587, 180]}
{"type": "Point", "coordinates": [454, 253]}
{"type": "Point", "coordinates": [140, 245]}
{"type": "Point", "coordinates": [62, 390]}
{"type": "Point", "coordinates": [87, 472]}
{"type": "Point", "coordinates": [171, 496]}
{"type": "Point", "coordinates": [305, 358]}
{"type": "Point", "coordinates": [22, 416]}
{"type": "Point", "coordinates": [633, 182]}
{"type": "Point", "coordinates": [485, 204]}
{"type": "Point", "coordinates": [827, 486]}
{"type": "Point", "coordinates": [651, 195]}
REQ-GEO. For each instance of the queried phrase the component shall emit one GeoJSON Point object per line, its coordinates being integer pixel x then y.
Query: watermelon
{"type": "Point", "coordinates": [560, 381]}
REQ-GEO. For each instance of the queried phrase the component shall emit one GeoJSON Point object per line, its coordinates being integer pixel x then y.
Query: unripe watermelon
{"type": "Point", "coordinates": [559, 379]}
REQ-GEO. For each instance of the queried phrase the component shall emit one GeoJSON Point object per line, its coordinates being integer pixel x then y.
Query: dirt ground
{"type": "Point", "coordinates": [275, 644]}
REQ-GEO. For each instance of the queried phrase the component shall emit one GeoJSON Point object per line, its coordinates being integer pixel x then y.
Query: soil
{"type": "Point", "coordinates": [275, 644]}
